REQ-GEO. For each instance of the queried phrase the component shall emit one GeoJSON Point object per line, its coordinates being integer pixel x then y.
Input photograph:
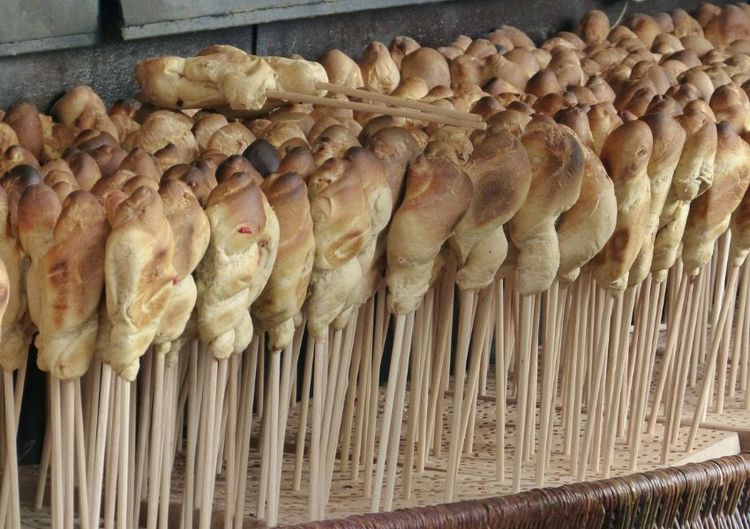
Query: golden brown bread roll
{"type": "Point", "coordinates": [143, 164]}
{"type": "Point", "coordinates": [16, 326]}
{"type": "Point", "coordinates": [139, 278]}
{"type": "Point", "coordinates": [402, 46]}
{"type": "Point", "coordinates": [72, 283]}
{"type": "Point", "coordinates": [426, 64]}
{"type": "Point", "coordinates": [62, 183]}
{"type": "Point", "coordinates": [603, 119]}
{"type": "Point", "coordinates": [192, 233]}
{"type": "Point", "coordinates": [396, 148]}
{"type": "Point", "coordinates": [208, 81]}
{"type": "Point", "coordinates": [333, 142]}
{"type": "Point", "coordinates": [38, 210]}
{"type": "Point", "coordinates": [342, 226]}
{"type": "Point", "coordinates": [500, 172]}
{"type": "Point", "coordinates": [24, 119]}
{"type": "Point", "coordinates": [4, 291]}
{"type": "Point", "coordinates": [577, 119]}
{"type": "Point", "coordinates": [414, 88]}
{"type": "Point", "coordinates": [730, 103]}
{"type": "Point", "coordinates": [237, 164]}
{"type": "Point", "coordinates": [17, 155]}
{"type": "Point", "coordinates": [8, 137]}
{"type": "Point", "coordinates": [299, 160]}
{"type": "Point", "coordinates": [684, 24]}
{"type": "Point", "coordinates": [481, 48]}
{"type": "Point", "coordinates": [695, 171]}
{"type": "Point", "coordinates": [162, 128]}
{"type": "Point", "coordinates": [625, 155]}
{"type": "Point", "coordinates": [279, 132]}
{"type": "Point", "coordinates": [83, 108]}
{"type": "Point", "coordinates": [201, 180]}
{"type": "Point", "coordinates": [379, 72]}
{"type": "Point", "coordinates": [205, 126]}
{"type": "Point", "coordinates": [452, 143]}
{"type": "Point", "coordinates": [371, 172]}
{"type": "Point", "coordinates": [341, 69]}
{"type": "Point", "coordinates": [244, 238]}
{"type": "Point", "coordinates": [84, 167]}
{"type": "Point", "coordinates": [668, 142]}
{"type": "Point", "coordinates": [102, 147]}
{"type": "Point", "coordinates": [437, 195]}
{"type": "Point", "coordinates": [232, 138]}
{"type": "Point", "coordinates": [55, 165]}
{"type": "Point", "coordinates": [584, 229]}
{"type": "Point", "coordinates": [286, 289]}
{"type": "Point", "coordinates": [730, 24]}
{"type": "Point", "coordinates": [710, 213]}
{"type": "Point", "coordinates": [740, 225]}
{"type": "Point", "coordinates": [557, 160]}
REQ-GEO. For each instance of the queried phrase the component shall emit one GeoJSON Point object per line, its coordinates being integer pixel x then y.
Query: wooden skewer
{"type": "Point", "coordinates": [289, 362]}
{"type": "Point", "coordinates": [548, 381]}
{"type": "Point", "coordinates": [123, 507]}
{"type": "Point", "coordinates": [442, 354]}
{"type": "Point", "coordinates": [169, 445]}
{"type": "Point", "coordinates": [101, 438]}
{"type": "Point", "coordinates": [157, 441]}
{"type": "Point", "coordinates": [579, 354]}
{"type": "Point", "coordinates": [231, 439]}
{"type": "Point", "coordinates": [68, 449]}
{"type": "Point", "coordinates": [186, 516]}
{"type": "Point", "coordinates": [412, 421]}
{"type": "Point", "coordinates": [376, 109]}
{"type": "Point", "coordinates": [711, 361]}
{"type": "Point", "coordinates": [351, 392]}
{"type": "Point", "coordinates": [600, 358]}
{"type": "Point", "coordinates": [303, 412]}
{"type": "Point", "coordinates": [144, 429]}
{"type": "Point", "coordinates": [601, 413]}
{"type": "Point", "coordinates": [113, 454]}
{"type": "Point", "coordinates": [396, 101]}
{"type": "Point", "coordinates": [83, 494]}
{"type": "Point", "coordinates": [41, 483]}
{"type": "Point", "coordinates": [669, 352]}
{"type": "Point", "coordinates": [338, 410]}
{"type": "Point", "coordinates": [246, 424]}
{"type": "Point", "coordinates": [621, 353]}
{"type": "Point", "coordinates": [740, 346]}
{"type": "Point", "coordinates": [394, 439]}
{"type": "Point", "coordinates": [219, 425]}
{"type": "Point", "coordinates": [273, 437]}
{"type": "Point", "coordinates": [641, 332]}
{"type": "Point", "coordinates": [92, 400]}
{"type": "Point", "coordinates": [529, 446]}
{"type": "Point", "coordinates": [501, 377]}
{"type": "Point", "coordinates": [459, 374]}
{"type": "Point", "coordinates": [526, 314]}
{"type": "Point", "coordinates": [673, 417]}
{"type": "Point", "coordinates": [568, 363]}
{"type": "Point", "coordinates": [381, 322]}
{"type": "Point", "coordinates": [11, 461]}
{"type": "Point", "coordinates": [365, 389]}
{"type": "Point", "coordinates": [398, 346]}
{"type": "Point", "coordinates": [423, 446]}
{"type": "Point", "coordinates": [320, 369]}
{"type": "Point", "coordinates": [207, 463]}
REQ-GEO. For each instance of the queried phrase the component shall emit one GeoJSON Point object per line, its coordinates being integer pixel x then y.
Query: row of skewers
{"type": "Point", "coordinates": [572, 196]}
